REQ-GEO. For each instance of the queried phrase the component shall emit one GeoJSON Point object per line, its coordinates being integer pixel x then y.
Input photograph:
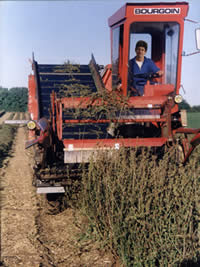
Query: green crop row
{"type": "Point", "coordinates": [144, 209]}
{"type": "Point", "coordinates": [11, 116]}
{"type": "Point", "coordinates": [7, 133]}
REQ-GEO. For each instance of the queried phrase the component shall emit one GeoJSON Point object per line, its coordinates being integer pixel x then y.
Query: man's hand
{"type": "Point", "coordinates": [160, 72]}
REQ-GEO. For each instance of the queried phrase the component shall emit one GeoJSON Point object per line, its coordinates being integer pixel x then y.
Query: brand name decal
{"type": "Point", "coordinates": [157, 11]}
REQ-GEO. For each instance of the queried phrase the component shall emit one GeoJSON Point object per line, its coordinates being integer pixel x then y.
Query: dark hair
{"type": "Point", "coordinates": [141, 44]}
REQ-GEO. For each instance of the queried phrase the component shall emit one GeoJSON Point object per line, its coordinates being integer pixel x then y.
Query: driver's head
{"type": "Point", "coordinates": [140, 49]}
{"type": "Point", "coordinates": [142, 44]}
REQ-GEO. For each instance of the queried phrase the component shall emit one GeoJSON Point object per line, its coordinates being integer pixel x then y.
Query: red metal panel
{"type": "Point", "coordinates": [53, 96]}
{"type": "Point", "coordinates": [32, 98]}
{"type": "Point", "coordinates": [127, 10]}
{"type": "Point", "coordinates": [194, 142]}
{"type": "Point", "coordinates": [187, 130]}
{"type": "Point", "coordinates": [136, 102]}
{"type": "Point", "coordinates": [147, 101]}
{"type": "Point", "coordinates": [157, 9]}
{"type": "Point", "coordinates": [158, 89]}
{"type": "Point", "coordinates": [107, 77]}
{"type": "Point", "coordinates": [114, 143]}
{"type": "Point", "coordinates": [60, 121]}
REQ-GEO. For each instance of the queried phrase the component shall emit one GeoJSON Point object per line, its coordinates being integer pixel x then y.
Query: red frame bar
{"type": "Point", "coordinates": [135, 102]}
{"type": "Point", "coordinates": [117, 120]}
{"type": "Point", "coordinates": [187, 130]}
{"type": "Point", "coordinates": [110, 143]}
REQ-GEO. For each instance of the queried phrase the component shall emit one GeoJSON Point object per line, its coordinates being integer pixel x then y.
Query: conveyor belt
{"type": "Point", "coordinates": [56, 77]}
{"type": "Point", "coordinates": [86, 131]}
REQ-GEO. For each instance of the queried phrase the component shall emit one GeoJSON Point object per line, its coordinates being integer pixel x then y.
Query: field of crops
{"type": "Point", "coordinates": [6, 138]}
{"type": "Point", "coordinates": [193, 119]}
{"type": "Point", "coordinates": [144, 210]}
{"type": "Point", "coordinates": [7, 133]}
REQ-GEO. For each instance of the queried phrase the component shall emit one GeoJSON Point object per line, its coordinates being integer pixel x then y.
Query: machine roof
{"type": "Point", "coordinates": [120, 14]}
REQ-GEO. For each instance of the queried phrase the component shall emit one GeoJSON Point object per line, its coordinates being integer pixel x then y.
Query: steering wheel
{"type": "Point", "coordinates": [147, 75]}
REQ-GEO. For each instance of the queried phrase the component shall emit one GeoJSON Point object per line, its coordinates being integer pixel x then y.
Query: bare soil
{"type": "Point", "coordinates": [31, 236]}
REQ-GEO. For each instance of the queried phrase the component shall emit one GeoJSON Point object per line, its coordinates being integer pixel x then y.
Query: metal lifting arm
{"type": "Point", "coordinates": [193, 143]}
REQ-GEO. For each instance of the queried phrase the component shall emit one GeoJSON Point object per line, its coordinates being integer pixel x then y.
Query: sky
{"type": "Point", "coordinates": [57, 31]}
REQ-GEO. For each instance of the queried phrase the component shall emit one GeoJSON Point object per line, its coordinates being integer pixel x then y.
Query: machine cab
{"type": "Point", "coordinates": [161, 26]}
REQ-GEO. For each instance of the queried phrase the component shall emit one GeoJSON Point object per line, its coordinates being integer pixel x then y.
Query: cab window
{"type": "Point", "coordinates": [163, 40]}
{"type": "Point", "coordinates": [117, 54]}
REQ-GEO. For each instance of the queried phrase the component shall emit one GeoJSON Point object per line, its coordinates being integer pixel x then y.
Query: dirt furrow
{"type": "Point", "coordinates": [31, 236]}
{"type": "Point", "coordinates": [20, 211]}
{"type": "Point", "coordinates": [19, 208]}
{"type": "Point", "coordinates": [64, 241]}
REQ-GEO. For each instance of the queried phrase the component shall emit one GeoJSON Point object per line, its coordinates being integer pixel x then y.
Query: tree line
{"type": "Point", "coordinates": [185, 105]}
{"type": "Point", "coordinates": [14, 99]}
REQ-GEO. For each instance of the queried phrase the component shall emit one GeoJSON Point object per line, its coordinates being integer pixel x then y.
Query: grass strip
{"type": "Point", "coordinates": [193, 119]}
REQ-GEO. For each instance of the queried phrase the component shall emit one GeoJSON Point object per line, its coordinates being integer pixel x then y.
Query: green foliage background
{"type": "Point", "coordinates": [14, 99]}
{"type": "Point", "coordinates": [193, 119]}
{"type": "Point", "coordinates": [185, 105]}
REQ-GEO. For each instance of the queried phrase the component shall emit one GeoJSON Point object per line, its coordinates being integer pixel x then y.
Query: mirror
{"type": "Point", "coordinates": [198, 38]}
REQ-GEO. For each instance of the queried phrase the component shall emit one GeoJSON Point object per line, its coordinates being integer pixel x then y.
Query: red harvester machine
{"type": "Point", "coordinates": [64, 127]}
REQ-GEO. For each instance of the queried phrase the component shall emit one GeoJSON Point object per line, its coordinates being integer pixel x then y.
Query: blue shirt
{"type": "Point", "coordinates": [148, 66]}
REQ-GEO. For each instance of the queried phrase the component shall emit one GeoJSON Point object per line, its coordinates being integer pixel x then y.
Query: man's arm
{"type": "Point", "coordinates": [155, 69]}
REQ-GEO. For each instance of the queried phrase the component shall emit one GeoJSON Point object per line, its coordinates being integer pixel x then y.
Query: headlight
{"type": "Point", "coordinates": [178, 99]}
{"type": "Point", "coordinates": [31, 125]}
